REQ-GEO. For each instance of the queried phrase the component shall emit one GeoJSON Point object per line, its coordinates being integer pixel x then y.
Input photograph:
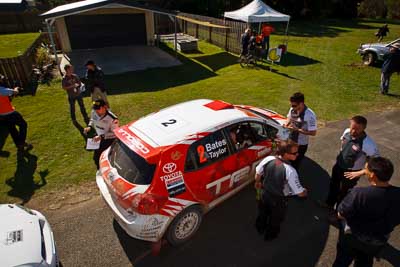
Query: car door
{"type": "Point", "coordinates": [208, 167]}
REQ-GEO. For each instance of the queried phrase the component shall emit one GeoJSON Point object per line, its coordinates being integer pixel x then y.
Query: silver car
{"type": "Point", "coordinates": [375, 52]}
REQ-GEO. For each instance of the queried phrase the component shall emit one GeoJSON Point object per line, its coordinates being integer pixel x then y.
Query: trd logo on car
{"type": "Point", "coordinates": [169, 167]}
{"type": "Point", "coordinates": [176, 155]}
{"type": "Point", "coordinates": [134, 142]}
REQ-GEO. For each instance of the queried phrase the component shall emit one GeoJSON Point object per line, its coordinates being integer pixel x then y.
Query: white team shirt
{"type": "Point", "coordinates": [293, 186]}
{"type": "Point", "coordinates": [369, 149]}
{"type": "Point", "coordinates": [309, 124]}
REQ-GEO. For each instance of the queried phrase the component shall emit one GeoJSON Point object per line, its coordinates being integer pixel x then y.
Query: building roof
{"type": "Point", "coordinates": [173, 124]}
{"type": "Point", "coordinates": [13, 5]}
{"type": "Point", "coordinates": [86, 5]}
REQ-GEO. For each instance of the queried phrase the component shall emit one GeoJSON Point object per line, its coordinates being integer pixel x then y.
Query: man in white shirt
{"type": "Point", "coordinates": [302, 123]}
{"type": "Point", "coordinates": [277, 179]}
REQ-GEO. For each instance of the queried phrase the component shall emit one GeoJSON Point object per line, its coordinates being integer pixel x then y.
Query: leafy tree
{"type": "Point", "coordinates": [393, 7]}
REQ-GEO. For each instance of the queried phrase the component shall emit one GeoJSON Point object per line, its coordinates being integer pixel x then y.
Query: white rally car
{"type": "Point", "coordinates": [168, 168]}
{"type": "Point", "coordinates": [26, 238]}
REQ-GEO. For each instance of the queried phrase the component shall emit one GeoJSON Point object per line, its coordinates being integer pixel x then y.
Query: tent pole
{"type": "Point", "coordinates": [176, 38]}
{"type": "Point", "coordinates": [259, 27]}
{"type": "Point", "coordinates": [286, 33]}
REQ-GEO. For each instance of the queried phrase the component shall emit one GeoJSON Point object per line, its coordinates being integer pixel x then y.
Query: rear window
{"type": "Point", "coordinates": [130, 165]}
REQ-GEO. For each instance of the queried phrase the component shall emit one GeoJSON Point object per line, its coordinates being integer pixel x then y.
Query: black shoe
{"type": "Point", "coordinates": [28, 146]}
{"type": "Point", "coordinates": [270, 237]}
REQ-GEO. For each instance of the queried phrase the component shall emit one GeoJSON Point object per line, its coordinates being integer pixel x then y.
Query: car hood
{"type": "Point", "coordinates": [20, 238]}
{"type": "Point", "coordinates": [380, 46]}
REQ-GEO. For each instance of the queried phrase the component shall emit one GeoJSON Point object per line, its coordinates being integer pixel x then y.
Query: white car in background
{"type": "Point", "coordinates": [26, 238]}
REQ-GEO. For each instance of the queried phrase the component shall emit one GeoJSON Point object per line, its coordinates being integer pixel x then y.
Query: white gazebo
{"type": "Point", "coordinates": [257, 12]}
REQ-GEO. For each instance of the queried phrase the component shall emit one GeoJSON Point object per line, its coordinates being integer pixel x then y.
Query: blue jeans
{"type": "Point", "coordinates": [385, 80]}
{"type": "Point", "coordinates": [265, 42]}
{"type": "Point", "coordinates": [72, 100]}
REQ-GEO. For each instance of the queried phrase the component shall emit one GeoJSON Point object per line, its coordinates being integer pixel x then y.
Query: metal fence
{"type": "Point", "coordinates": [228, 39]}
{"type": "Point", "coordinates": [18, 70]}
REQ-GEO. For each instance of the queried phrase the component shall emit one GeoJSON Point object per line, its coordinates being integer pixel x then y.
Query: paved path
{"type": "Point", "coordinates": [87, 235]}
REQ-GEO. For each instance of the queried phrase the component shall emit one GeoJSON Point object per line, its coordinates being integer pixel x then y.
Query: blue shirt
{"type": "Point", "coordinates": [6, 91]}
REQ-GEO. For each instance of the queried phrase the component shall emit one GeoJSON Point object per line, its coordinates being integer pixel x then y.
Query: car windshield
{"type": "Point", "coordinates": [130, 165]}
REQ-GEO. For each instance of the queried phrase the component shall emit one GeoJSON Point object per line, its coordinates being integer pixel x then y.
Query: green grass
{"type": "Point", "coordinates": [322, 63]}
{"type": "Point", "coordinates": [13, 45]}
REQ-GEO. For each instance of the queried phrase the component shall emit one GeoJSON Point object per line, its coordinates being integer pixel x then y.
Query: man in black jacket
{"type": "Point", "coordinates": [369, 215]}
{"type": "Point", "coordinates": [95, 82]}
{"type": "Point", "coordinates": [390, 65]}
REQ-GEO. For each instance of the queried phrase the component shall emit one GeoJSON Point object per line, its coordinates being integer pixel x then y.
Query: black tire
{"type": "Point", "coordinates": [369, 58]}
{"type": "Point", "coordinates": [184, 226]}
{"type": "Point", "coordinates": [242, 61]}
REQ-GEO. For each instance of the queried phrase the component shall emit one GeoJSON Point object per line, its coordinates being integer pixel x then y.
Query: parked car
{"type": "Point", "coordinates": [374, 52]}
{"type": "Point", "coordinates": [168, 168]}
{"type": "Point", "coordinates": [26, 238]}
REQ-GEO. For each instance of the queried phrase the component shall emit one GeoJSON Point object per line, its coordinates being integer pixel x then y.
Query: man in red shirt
{"type": "Point", "coordinates": [11, 118]}
{"type": "Point", "coordinates": [266, 31]}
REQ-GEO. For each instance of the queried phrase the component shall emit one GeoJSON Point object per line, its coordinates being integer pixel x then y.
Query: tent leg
{"type": "Point", "coordinates": [259, 27]}
{"type": "Point", "coordinates": [286, 33]}
{"type": "Point", "coordinates": [53, 45]}
{"type": "Point", "coordinates": [176, 38]}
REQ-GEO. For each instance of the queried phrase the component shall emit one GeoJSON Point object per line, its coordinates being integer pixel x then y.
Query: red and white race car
{"type": "Point", "coordinates": [170, 167]}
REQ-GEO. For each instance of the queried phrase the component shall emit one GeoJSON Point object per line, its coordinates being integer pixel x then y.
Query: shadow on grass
{"type": "Point", "coordinates": [275, 71]}
{"type": "Point", "coordinates": [23, 184]}
{"type": "Point", "coordinates": [290, 59]}
{"type": "Point", "coordinates": [226, 229]}
{"type": "Point", "coordinates": [218, 61]}
{"type": "Point", "coordinates": [325, 28]}
{"type": "Point", "coordinates": [158, 78]}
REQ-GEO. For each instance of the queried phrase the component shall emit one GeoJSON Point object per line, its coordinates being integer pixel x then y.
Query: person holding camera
{"type": "Point", "coordinates": [12, 118]}
{"type": "Point", "coordinates": [72, 85]}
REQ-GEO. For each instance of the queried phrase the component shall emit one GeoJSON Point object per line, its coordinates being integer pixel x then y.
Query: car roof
{"type": "Point", "coordinates": [173, 124]}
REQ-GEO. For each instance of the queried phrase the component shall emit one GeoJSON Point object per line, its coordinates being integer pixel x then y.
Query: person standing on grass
{"type": "Point", "coordinates": [356, 147]}
{"type": "Point", "coordinates": [277, 180]}
{"type": "Point", "coordinates": [368, 215]}
{"type": "Point", "coordinates": [390, 65]}
{"type": "Point", "coordinates": [11, 118]}
{"type": "Point", "coordinates": [302, 123]}
{"type": "Point", "coordinates": [71, 84]}
{"type": "Point", "coordinates": [266, 31]}
{"type": "Point", "coordinates": [382, 32]}
{"type": "Point", "coordinates": [95, 82]}
{"type": "Point", "coordinates": [244, 41]}
{"type": "Point", "coordinates": [104, 122]}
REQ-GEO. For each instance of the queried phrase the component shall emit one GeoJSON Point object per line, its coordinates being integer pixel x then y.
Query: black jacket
{"type": "Point", "coordinates": [95, 78]}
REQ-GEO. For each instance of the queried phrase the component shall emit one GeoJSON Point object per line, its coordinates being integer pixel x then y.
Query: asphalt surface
{"type": "Point", "coordinates": [87, 235]}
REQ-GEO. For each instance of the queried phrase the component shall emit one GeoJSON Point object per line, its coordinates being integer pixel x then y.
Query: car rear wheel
{"type": "Point", "coordinates": [369, 58]}
{"type": "Point", "coordinates": [184, 226]}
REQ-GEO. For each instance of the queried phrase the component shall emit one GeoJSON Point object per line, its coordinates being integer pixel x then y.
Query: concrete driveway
{"type": "Point", "coordinates": [120, 59]}
{"type": "Point", "coordinates": [87, 235]}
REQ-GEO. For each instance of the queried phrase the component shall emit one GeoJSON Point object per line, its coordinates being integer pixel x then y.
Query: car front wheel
{"type": "Point", "coordinates": [369, 58]}
{"type": "Point", "coordinates": [184, 226]}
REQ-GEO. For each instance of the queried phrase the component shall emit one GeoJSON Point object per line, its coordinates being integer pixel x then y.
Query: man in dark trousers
{"type": "Point", "coordinates": [95, 82]}
{"type": "Point", "coordinates": [104, 122]}
{"type": "Point", "coordinates": [355, 148]}
{"type": "Point", "coordinates": [244, 41]}
{"type": "Point", "coordinates": [302, 123]}
{"type": "Point", "coordinates": [277, 180]}
{"type": "Point", "coordinates": [71, 84]}
{"type": "Point", "coordinates": [390, 65]}
{"type": "Point", "coordinates": [382, 32]}
{"type": "Point", "coordinates": [369, 215]}
{"type": "Point", "coordinates": [11, 118]}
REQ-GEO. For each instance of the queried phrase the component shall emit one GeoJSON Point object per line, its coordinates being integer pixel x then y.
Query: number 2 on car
{"type": "Point", "coordinates": [200, 152]}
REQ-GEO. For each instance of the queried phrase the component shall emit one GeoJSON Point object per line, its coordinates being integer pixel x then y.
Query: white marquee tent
{"type": "Point", "coordinates": [257, 12]}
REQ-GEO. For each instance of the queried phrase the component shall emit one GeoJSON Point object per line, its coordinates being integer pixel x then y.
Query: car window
{"type": "Point", "coordinates": [130, 165]}
{"type": "Point", "coordinates": [206, 151]}
{"type": "Point", "coordinates": [246, 134]}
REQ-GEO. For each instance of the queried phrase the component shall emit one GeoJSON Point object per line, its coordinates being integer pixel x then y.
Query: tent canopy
{"type": "Point", "coordinates": [255, 12]}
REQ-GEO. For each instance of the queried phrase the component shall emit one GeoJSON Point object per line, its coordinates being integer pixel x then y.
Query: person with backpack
{"type": "Point", "coordinates": [356, 147]}
{"type": "Point", "coordinates": [368, 216]}
{"type": "Point", "coordinates": [277, 180]}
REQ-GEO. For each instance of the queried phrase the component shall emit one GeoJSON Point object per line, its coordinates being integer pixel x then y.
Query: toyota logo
{"type": "Point", "coordinates": [169, 167]}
